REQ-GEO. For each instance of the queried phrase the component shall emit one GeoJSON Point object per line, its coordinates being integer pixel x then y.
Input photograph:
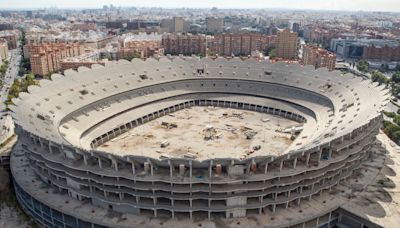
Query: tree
{"type": "Point", "coordinates": [384, 68]}
{"type": "Point", "coordinates": [377, 76]}
{"type": "Point", "coordinates": [272, 53]}
{"type": "Point", "coordinates": [362, 66]}
{"type": "Point", "coordinates": [396, 77]}
{"type": "Point", "coordinates": [397, 67]}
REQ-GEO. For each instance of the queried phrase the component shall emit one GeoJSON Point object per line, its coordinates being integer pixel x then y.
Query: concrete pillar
{"type": "Point", "coordinates": [114, 163]}
{"type": "Point", "coordinates": [85, 159]}
{"type": "Point", "coordinates": [266, 168]}
{"type": "Point", "coordinates": [190, 169]}
{"type": "Point", "coordinates": [329, 219]}
{"type": "Point", "coordinates": [50, 150]}
{"type": "Point", "coordinates": [151, 167]}
{"type": "Point", "coordinates": [181, 169]}
{"type": "Point", "coordinates": [281, 166]}
{"type": "Point", "coordinates": [121, 196]}
{"type": "Point", "coordinates": [287, 205]}
{"type": "Point", "coordinates": [294, 163]}
{"type": "Point", "coordinates": [133, 168]}
{"type": "Point", "coordinates": [274, 208]}
{"type": "Point", "coordinates": [170, 168]}
{"type": "Point", "coordinates": [308, 159]}
{"type": "Point", "coordinates": [218, 169]}
{"type": "Point", "coordinates": [100, 164]}
{"type": "Point", "coordinates": [319, 156]}
{"type": "Point", "coordinates": [253, 166]}
{"type": "Point", "coordinates": [146, 166]}
{"type": "Point", "coordinates": [210, 168]}
{"type": "Point", "coordinates": [288, 194]}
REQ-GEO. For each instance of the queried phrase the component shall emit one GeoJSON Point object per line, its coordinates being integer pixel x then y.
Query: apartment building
{"type": "Point", "coordinates": [148, 44]}
{"type": "Point", "coordinates": [46, 58]}
{"type": "Point", "coordinates": [229, 44]}
{"type": "Point", "coordinates": [84, 26]}
{"type": "Point", "coordinates": [318, 57]}
{"type": "Point", "coordinates": [3, 49]}
{"type": "Point", "coordinates": [185, 44]}
{"type": "Point", "coordinates": [382, 53]}
{"type": "Point", "coordinates": [286, 44]}
{"type": "Point", "coordinates": [214, 25]}
{"type": "Point", "coordinates": [175, 24]}
{"type": "Point", "coordinates": [11, 38]}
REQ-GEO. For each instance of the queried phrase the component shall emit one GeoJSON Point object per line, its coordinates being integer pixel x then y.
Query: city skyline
{"type": "Point", "coordinates": [356, 5]}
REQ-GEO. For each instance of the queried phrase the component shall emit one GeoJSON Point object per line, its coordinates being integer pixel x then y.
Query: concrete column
{"type": "Point", "coordinates": [114, 163]}
{"type": "Point", "coordinates": [329, 219]}
{"type": "Point", "coordinates": [308, 159]}
{"type": "Point", "coordinates": [100, 164]}
{"type": "Point", "coordinates": [121, 196]}
{"type": "Point", "coordinates": [190, 169]}
{"type": "Point", "coordinates": [151, 167]}
{"type": "Point", "coordinates": [266, 168]}
{"type": "Point", "coordinates": [85, 159]}
{"type": "Point", "coordinates": [51, 151]}
{"type": "Point", "coordinates": [274, 208]}
{"type": "Point", "coordinates": [294, 163]}
{"type": "Point", "coordinates": [281, 165]}
{"type": "Point", "coordinates": [133, 168]}
{"type": "Point", "coordinates": [288, 195]}
{"type": "Point", "coordinates": [287, 205]}
{"type": "Point", "coordinates": [319, 156]}
{"type": "Point", "coordinates": [170, 168]}
{"type": "Point", "coordinates": [210, 168]}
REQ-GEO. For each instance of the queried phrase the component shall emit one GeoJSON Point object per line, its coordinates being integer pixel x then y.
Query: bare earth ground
{"type": "Point", "coordinates": [226, 128]}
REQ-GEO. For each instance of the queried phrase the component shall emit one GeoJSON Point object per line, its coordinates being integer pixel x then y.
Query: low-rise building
{"type": "Point", "coordinates": [148, 44]}
{"type": "Point", "coordinates": [318, 57]}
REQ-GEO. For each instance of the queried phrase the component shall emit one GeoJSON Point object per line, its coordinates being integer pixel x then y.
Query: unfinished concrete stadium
{"type": "Point", "coordinates": [194, 142]}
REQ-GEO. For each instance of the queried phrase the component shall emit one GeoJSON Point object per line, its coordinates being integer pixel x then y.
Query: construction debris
{"type": "Point", "coordinates": [169, 125]}
{"type": "Point", "coordinates": [164, 144]}
{"type": "Point", "coordinates": [209, 133]}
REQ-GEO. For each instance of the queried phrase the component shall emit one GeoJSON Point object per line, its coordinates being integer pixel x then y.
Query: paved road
{"type": "Point", "coordinates": [6, 123]}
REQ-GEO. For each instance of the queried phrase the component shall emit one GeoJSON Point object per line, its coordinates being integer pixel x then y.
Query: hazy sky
{"type": "Point", "coordinates": [367, 5]}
